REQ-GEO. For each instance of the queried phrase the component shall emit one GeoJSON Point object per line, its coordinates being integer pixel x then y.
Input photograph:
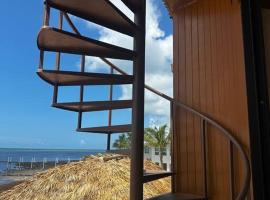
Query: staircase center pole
{"type": "Point", "coordinates": [137, 144]}
{"type": "Point", "coordinates": [110, 115]}
{"type": "Point", "coordinates": [109, 142]}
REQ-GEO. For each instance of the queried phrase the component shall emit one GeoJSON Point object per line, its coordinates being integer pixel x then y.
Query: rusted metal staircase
{"type": "Point", "coordinates": [60, 41]}
{"type": "Point", "coordinates": [105, 13]}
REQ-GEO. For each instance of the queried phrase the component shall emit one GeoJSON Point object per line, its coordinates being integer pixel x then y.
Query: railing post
{"type": "Point", "coordinates": [46, 20]}
{"type": "Point", "coordinates": [81, 92]}
{"type": "Point", "coordinates": [60, 27]}
{"type": "Point", "coordinates": [75, 30]}
{"type": "Point", "coordinates": [172, 145]}
{"type": "Point", "coordinates": [204, 156]}
{"type": "Point", "coordinates": [58, 59]}
{"type": "Point", "coordinates": [137, 144]}
{"type": "Point", "coordinates": [231, 168]}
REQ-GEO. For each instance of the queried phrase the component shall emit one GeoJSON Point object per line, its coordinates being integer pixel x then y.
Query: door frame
{"type": "Point", "coordinates": [257, 97]}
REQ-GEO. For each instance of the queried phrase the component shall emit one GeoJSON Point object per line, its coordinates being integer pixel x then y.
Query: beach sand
{"type": "Point", "coordinates": [13, 178]}
{"type": "Point", "coordinates": [9, 186]}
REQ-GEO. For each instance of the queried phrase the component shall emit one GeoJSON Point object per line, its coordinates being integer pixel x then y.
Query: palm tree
{"type": "Point", "coordinates": [157, 137]}
{"type": "Point", "coordinates": [123, 142]}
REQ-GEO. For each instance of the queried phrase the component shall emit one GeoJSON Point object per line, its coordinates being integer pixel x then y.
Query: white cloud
{"type": "Point", "coordinates": [159, 48]}
{"type": "Point", "coordinates": [121, 6]}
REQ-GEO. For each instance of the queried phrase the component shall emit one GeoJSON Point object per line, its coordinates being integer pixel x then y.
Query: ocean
{"type": "Point", "coordinates": [28, 155]}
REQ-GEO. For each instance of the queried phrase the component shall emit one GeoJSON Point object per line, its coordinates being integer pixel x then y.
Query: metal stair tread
{"type": "Point", "coordinates": [178, 196]}
{"type": "Point", "coordinates": [110, 17]}
{"type": "Point", "coordinates": [107, 129]}
{"type": "Point", "coordinates": [94, 105]}
{"type": "Point", "coordinates": [155, 175]}
{"type": "Point", "coordinates": [56, 40]}
{"type": "Point", "coordinates": [68, 78]}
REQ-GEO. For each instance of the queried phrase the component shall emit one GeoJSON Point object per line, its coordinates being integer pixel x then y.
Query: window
{"type": "Point", "coordinates": [147, 150]}
{"type": "Point", "coordinates": [164, 152]}
{"type": "Point", "coordinates": [156, 151]}
{"type": "Point", "coordinates": [164, 166]}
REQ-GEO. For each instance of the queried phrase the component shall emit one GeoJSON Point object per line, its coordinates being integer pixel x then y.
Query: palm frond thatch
{"type": "Point", "coordinates": [95, 178]}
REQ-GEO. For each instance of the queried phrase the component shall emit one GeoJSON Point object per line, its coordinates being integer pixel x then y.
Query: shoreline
{"type": "Point", "coordinates": [110, 172]}
{"type": "Point", "coordinates": [9, 186]}
{"type": "Point", "coordinates": [8, 178]}
{"type": "Point", "coordinates": [13, 178]}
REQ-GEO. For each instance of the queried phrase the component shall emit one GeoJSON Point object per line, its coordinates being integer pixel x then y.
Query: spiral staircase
{"type": "Point", "coordinates": [106, 14]}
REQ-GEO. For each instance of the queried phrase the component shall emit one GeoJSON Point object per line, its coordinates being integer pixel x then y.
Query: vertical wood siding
{"type": "Point", "coordinates": [209, 76]}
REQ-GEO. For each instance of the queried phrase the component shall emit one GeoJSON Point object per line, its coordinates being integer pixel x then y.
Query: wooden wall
{"type": "Point", "coordinates": [209, 75]}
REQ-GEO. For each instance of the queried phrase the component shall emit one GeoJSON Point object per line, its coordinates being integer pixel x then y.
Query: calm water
{"type": "Point", "coordinates": [39, 154]}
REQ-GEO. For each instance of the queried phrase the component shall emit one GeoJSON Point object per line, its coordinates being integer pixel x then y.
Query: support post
{"type": "Point", "coordinates": [110, 115]}
{"type": "Point", "coordinates": [109, 142]}
{"type": "Point", "coordinates": [137, 144]}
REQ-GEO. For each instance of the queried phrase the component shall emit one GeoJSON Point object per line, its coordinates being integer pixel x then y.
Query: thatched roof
{"type": "Point", "coordinates": [95, 178]}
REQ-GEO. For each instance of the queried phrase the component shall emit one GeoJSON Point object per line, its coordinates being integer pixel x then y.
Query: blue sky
{"type": "Point", "coordinates": [27, 120]}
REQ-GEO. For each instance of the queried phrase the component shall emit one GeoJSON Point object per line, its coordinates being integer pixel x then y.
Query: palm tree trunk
{"type": "Point", "coordinates": [161, 157]}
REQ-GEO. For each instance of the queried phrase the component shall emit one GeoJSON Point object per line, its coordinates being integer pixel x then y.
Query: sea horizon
{"type": "Point", "coordinates": [51, 149]}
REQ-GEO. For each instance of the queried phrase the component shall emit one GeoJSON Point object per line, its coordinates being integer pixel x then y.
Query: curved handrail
{"type": "Point", "coordinates": [245, 188]}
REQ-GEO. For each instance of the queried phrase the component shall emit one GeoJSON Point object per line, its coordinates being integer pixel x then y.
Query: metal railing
{"type": "Point", "coordinates": [205, 121]}
{"type": "Point", "coordinates": [232, 142]}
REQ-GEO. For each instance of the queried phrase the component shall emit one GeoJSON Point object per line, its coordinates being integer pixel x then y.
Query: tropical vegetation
{"type": "Point", "coordinates": [123, 141]}
{"type": "Point", "coordinates": [156, 137]}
